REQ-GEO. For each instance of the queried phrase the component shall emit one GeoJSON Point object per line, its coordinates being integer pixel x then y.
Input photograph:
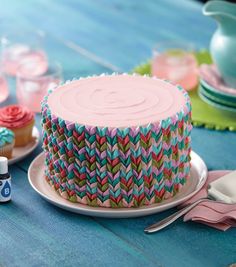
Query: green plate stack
{"type": "Point", "coordinates": [217, 96]}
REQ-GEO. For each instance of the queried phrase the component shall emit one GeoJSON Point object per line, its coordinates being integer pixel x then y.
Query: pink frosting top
{"type": "Point", "coordinates": [15, 116]}
{"type": "Point", "coordinates": [116, 101]}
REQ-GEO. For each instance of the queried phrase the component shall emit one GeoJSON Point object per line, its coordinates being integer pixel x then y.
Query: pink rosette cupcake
{"type": "Point", "coordinates": [20, 120]}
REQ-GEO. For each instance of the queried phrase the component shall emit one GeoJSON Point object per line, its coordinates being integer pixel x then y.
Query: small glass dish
{"type": "Point", "coordinates": [30, 88]}
{"type": "Point", "coordinates": [175, 62]}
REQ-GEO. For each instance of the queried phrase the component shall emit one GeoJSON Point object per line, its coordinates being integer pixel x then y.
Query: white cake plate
{"type": "Point", "coordinates": [197, 179]}
{"type": "Point", "coordinates": [21, 152]}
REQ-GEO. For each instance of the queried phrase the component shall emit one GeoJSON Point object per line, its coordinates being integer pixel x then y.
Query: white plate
{"type": "Point", "coordinates": [197, 179]}
{"type": "Point", "coordinates": [21, 152]}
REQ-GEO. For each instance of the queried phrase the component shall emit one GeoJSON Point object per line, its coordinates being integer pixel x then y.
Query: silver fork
{"type": "Point", "coordinates": [173, 217]}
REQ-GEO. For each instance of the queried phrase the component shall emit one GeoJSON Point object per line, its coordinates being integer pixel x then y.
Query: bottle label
{"type": "Point", "coordinates": [5, 190]}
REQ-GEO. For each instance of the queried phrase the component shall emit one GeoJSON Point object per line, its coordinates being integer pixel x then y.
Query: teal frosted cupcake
{"type": "Point", "coordinates": [7, 141]}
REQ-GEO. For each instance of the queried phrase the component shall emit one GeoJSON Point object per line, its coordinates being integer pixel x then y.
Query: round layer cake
{"type": "Point", "coordinates": [117, 141]}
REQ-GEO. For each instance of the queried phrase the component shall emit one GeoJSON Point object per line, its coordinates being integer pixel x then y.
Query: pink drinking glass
{"type": "Point", "coordinates": [30, 88]}
{"type": "Point", "coordinates": [19, 47]}
{"type": "Point", "coordinates": [175, 62]}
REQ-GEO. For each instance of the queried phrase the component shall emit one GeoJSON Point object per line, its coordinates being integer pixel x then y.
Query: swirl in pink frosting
{"type": "Point", "coordinates": [15, 116]}
{"type": "Point", "coordinates": [116, 101]}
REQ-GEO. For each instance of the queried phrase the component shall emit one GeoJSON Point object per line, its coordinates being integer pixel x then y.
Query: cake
{"type": "Point", "coordinates": [7, 141]}
{"type": "Point", "coordinates": [117, 141]}
{"type": "Point", "coordinates": [20, 120]}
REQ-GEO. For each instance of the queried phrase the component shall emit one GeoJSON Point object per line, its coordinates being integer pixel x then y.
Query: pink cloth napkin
{"type": "Point", "coordinates": [217, 215]}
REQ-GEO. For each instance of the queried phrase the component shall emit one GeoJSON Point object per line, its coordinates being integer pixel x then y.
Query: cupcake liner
{"type": "Point", "coordinates": [23, 135]}
{"type": "Point", "coordinates": [6, 150]}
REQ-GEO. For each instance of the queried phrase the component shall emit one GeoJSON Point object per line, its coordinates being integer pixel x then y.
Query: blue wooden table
{"type": "Point", "coordinates": [91, 37]}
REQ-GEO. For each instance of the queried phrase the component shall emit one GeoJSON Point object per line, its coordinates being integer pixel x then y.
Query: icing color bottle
{"type": "Point", "coordinates": [5, 181]}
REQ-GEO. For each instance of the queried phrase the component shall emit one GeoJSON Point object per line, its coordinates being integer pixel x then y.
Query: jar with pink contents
{"type": "Point", "coordinates": [175, 62]}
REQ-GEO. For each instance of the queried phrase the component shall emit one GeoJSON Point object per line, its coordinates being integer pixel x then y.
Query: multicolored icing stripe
{"type": "Point", "coordinates": [111, 167]}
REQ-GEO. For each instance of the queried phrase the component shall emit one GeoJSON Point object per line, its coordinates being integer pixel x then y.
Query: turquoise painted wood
{"type": "Point", "coordinates": [91, 37]}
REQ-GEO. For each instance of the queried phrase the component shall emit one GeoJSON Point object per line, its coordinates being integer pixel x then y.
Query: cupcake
{"type": "Point", "coordinates": [7, 141]}
{"type": "Point", "coordinates": [20, 120]}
